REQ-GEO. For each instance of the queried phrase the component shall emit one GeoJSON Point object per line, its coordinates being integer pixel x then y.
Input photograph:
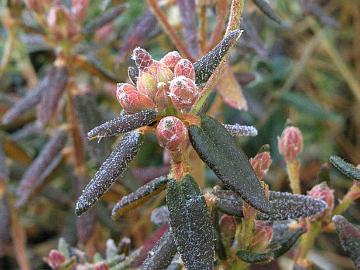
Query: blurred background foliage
{"type": "Point", "coordinates": [304, 71]}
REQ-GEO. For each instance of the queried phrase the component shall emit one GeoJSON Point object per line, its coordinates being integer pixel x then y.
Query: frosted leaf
{"type": "Point", "coordinates": [160, 215]}
{"type": "Point", "coordinates": [264, 6]}
{"type": "Point", "coordinates": [239, 130]}
{"type": "Point", "coordinates": [345, 168]}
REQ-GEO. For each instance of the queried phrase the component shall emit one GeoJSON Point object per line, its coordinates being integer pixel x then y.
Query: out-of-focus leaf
{"type": "Point", "coordinates": [267, 10]}
{"type": "Point", "coordinates": [14, 151]}
{"type": "Point", "coordinates": [160, 215]}
{"type": "Point", "coordinates": [139, 196]}
{"type": "Point", "coordinates": [191, 224]}
{"type": "Point", "coordinates": [219, 151]}
{"type": "Point", "coordinates": [122, 124]}
{"type": "Point", "coordinates": [239, 130]}
{"type": "Point", "coordinates": [4, 221]}
{"type": "Point", "coordinates": [26, 131]}
{"type": "Point", "coordinates": [253, 257]}
{"type": "Point", "coordinates": [287, 242]}
{"type": "Point", "coordinates": [4, 171]}
{"type": "Point", "coordinates": [47, 160]}
{"type": "Point", "coordinates": [103, 19]}
{"type": "Point", "coordinates": [345, 168]}
{"type": "Point", "coordinates": [230, 90]}
{"type": "Point", "coordinates": [85, 226]}
{"type": "Point", "coordinates": [57, 80]}
{"type": "Point", "coordinates": [161, 255]}
{"type": "Point", "coordinates": [133, 74]}
{"type": "Point", "coordinates": [349, 237]}
{"type": "Point", "coordinates": [110, 170]}
{"type": "Point", "coordinates": [207, 64]}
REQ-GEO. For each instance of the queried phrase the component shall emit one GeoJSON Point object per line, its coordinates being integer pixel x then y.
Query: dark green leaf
{"type": "Point", "coordinates": [110, 170]}
{"type": "Point", "coordinates": [191, 224]}
{"type": "Point", "coordinates": [349, 237]}
{"type": "Point", "coordinates": [253, 257]}
{"type": "Point", "coordinates": [122, 124]}
{"type": "Point", "coordinates": [207, 64]}
{"type": "Point", "coordinates": [345, 168]}
{"type": "Point", "coordinates": [285, 240]}
{"type": "Point", "coordinates": [133, 74]}
{"type": "Point", "coordinates": [219, 151]}
{"type": "Point", "coordinates": [228, 202]}
{"type": "Point", "coordinates": [267, 10]}
{"type": "Point", "coordinates": [139, 196]}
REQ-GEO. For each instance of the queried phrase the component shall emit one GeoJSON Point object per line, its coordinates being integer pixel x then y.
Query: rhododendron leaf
{"type": "Point", "coordinates": [217, 148]}
{"type": "Point", "coordinates": [264, 6]}
{"type": "Point", "coordinates": [191, 224]}
{"type": "Point", "coordinates": [349, 236]}
{"type": "Point", "coordinates": [207, 64]}
{"type": "Point", "coordinates": [122, 124]}
{"type": "Point", "coordinates": [228, 202]}
{"type": "Point", "coordinates": [110, 170]}
{"type": "Point", "coordinates": [286, 241]}
{"type": "Point", "coordinates": [345, 168]}
{"type": "Point", "coordinates": [162, 253]}
{"type": "Point", "coordinates": [139, 196]}
{"type": "Point", "coordinates": [239, 130]}
{"type": "Point", "coordinates": [254, 257]}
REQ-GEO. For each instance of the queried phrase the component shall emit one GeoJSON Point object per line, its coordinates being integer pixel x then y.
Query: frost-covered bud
{"type": "Point", "coordinates": [290, 144]}
{"type": "Point", "coordinates": [324, 193]}
{"type": "Point", "coordinates": [183, 93]}
{"type": "Point", "coordinates": [131, 100]}
{"type": "Point", "coordinates": [101, 266]}
{"type": "Point", "coordinates": [79, 8]}
{"type": "Point", "coordinates": [262, 236]}
{"type": "Point", "coordinates": [55, 259]}
{"type": "Point", "coordinates": [142, 58]}
{"type": "Point", "coordinates": [171, 59]}
{"type": "Point", "coordinates": [185, 68]}
{"type": "Point", "coordinates": [227, 226]}
{"type": "Point", "coordinates": [172, 133]}
{"type": "Point", "coordinates": [261, 164]}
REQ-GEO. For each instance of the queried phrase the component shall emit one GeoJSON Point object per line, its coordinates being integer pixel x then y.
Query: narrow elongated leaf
{"type": "Point", "coordinates": [287, 241]}
{"type": "Point", "coordinates": [345, 168]}
{"type": "Point", "coordinates": [4, 171]}
{"type": "Point", "coordinates": [219, 151]}
{"type": "Point", "coordinates": [267, 10]}
{"type": "Point", "coordinates": [110, 170]}
{"type": "Point", "coordinates": [228, 202]}
{"type": "Point", "coordinates": [4, 223]}
{"type": "Point", "coordinates": [48, 159]}
{"type": "Point", "coordinates": [349, 237]}
{"type": "Point", "coordinates": [191, 224]}
{"type": "Point", "coordinates": [254, 257]}
{"type": "Point", "coordinates": [55, 87]}
{"type": "Point", "coordinates": [161, 255]}
{"type": "Point", "coordinates": [239, 130]}
{"type": "Point", "coordinates": [207, 64]}
{"type": "Point", "coordinates": [122, 124]}
{"type": "Point", "coordinates": [139, 196]}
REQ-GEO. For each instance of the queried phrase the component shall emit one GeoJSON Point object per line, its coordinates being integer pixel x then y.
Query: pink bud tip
{"type": "Point", "coordinates": [55, 259]}
{"type": "Point", "coordinates": [172, 133]}
{"type": "Point", "coordinates": [261, 164]}
{"type": "Point", "coordinates": [324, 193]}
{"type": "Point", "coordinates": [183, 93]}
{"type": "Point", "coordinates": [185, 68]}
{"type": "Point", "coordinates": [79, 9]}
{"type": "Point", "coordinates": [290, 143]}
{"type": "Point", "coordinates": [142, 58]}
{"type": "Point", "coordinates": [171, 59]}
{"type": "Point", "coordinates": [101, 266]}
{"type": "Point", "coordinates": [131, 100]}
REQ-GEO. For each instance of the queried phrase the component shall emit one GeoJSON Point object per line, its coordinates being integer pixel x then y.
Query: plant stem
{"type": "Point", "coordinates": [308, 240]}
{"type": "Point", "coordinates": [293, 170]}
{"type": "Point", "coordinates": [348, 199]}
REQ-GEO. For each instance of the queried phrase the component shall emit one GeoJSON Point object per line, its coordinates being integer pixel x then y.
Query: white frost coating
{"type": "Point", "coordinates": [239, 130]}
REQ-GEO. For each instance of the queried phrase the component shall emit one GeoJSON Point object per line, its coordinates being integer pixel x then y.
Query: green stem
{"type": "Point", "coordinates": [349, 198]}
{"type": "Point", "coordinates": [308, 240]}
{"type": "Point", "coordinates": [293, 170]}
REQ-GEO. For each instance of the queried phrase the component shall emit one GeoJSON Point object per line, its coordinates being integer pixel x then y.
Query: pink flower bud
{"type": "Point", "coordinates": [101, 266]}
{"type": "Point", "coordinates": [171, 59]}
{"type": "Point", "coordinates": [262, 235]}
{"type": "Point", "coordinates": [290, 144]}
{"type": "Point", "coordinates": [131, 100]}
{"type": "Point", "coordinates": [55, 259]}
{"type": "Point", "coordinates": [172, 133]}
{"type": "Point", "coordinates": [79, 9]}
{"type": "Point", "coordinates": [185, 68]}
{"type": "Point", "coordinates": [104, 33]}
{"type": "Point", "coordinates": [183, 93]}
{"type": "Point", "coordinates": [142, 58]}
{"type": "Point", "coordinates": [227, 226]}
{"type": "Point", "coordinates": [324, 193]}
{"type": "Point", "coordinates": [261, 164]}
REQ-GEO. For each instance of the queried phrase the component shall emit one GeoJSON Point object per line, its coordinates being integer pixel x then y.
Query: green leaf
{"type": "Point", "coordinates": [110, 170]}
{"type": "Point", "coordinates": [254, 257]}
{"type": "Point", "coordinates": [139, 196]}
{"type": "Point", "coordinates": [349, 237]}
{"type": "Point", "coordinates": [345, 168]}
{"type": "Point", "coordinates": [285, 240]}
{"type": "Point", "coordinates": [191, 224]}
{"type": "Point", "coordinates": [267, 10]}
{"type": "Point", "coordinates": [207, 64]}
{"type": "Point", "coordinates": [217, 148]}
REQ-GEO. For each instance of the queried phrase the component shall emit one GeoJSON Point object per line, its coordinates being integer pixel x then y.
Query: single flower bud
{"type": "Point", "coordinates": [324, 193]}
{"type": "Point", "coordinates": [101, 266]}
{"type": "Point", "coordinates": [183, 93]}
{"type": "Point", "coordinates": [171, 59]}
{"type": "Point", "coordinates": [55, 259]}
{"type": "Point", "coordinates": [227, 226]}
{"type": "Point", "coordinates": [290, 144]}
{"type": "Point", "coordinates": [172, 133]}
{"type": "Point", "coordinates": [262, 236]}
{"type": "Point", "coordinates": [131, 100]}
{"type": "Point", "coordinates": [79, 9]}
{"type": "Point", "coordinates": [142, 58]}
{"type": "Point", "coordinates": [161, 97]}
{"type": "Point", "coordinates": [185, 68]}
{"type": "Point", "coordinates": [261, 164]}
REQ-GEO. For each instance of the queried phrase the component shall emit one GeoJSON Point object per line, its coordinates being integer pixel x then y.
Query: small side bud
{"type": "Point", "coordinates": [262, 236]}
{"type": "Point", "coordinates": [172, 133]}
{"type": "Point", "coordinates": [261, 164]}
{"type": "Point", "coordinates": [183, 93]}
{"type": "Point", "coordinates": [324, 193]}
{"type": "Point", "coordinates": [227, 225]}
{"type": "Point", "coordinates": [185, 68]}
{"type": "Point", "coordinates": [171, 59]}
{"type": "Point", "coordinates": [55, 259]}
{"type": "Point", "coordinates": [142, 58]}
{"type": "Point", "coordinates": [290, 144]}
{"type": "Point", "coordinates": [131, 100]}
